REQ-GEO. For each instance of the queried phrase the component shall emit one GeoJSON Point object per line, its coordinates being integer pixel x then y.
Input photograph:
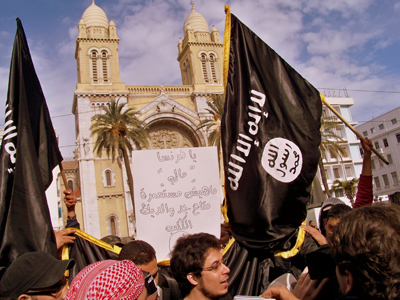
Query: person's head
{"type": "Point", "coordinates": [35, 275]}
{"type": "Point", "coordinates": [108, 279]}
{"type": "Point", "coordinates": [334, 215]}
{"type": "Point", "coordinates": [311, 223]}
{"type": "Point", "coordinates": [197, 265]}
{"type": "Point", "coordinates": [323, 213]}
{"type": "Point", "coordinates": [366, 249]}
{"type": "Point", "coordinates": [143, 255]}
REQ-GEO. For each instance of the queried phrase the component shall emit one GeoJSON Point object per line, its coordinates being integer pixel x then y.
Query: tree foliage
{"type": "Point", "coordinates": [349, 187]}
{"type": "Point", "coordinates": [330, 143]}
{"type": "Point", "coordinates": [213, 124]}
{"type": "Point", "coordinates": [116, 130]}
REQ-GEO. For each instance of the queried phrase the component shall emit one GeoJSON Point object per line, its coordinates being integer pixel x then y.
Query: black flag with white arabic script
{"type": "Point", "coordinates": [29, 152]}
{"type": "Point", "coordinates": [270, 139]}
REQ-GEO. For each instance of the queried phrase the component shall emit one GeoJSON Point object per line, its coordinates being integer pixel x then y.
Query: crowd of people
{"type": "Point", "coordinates": [357, 257]}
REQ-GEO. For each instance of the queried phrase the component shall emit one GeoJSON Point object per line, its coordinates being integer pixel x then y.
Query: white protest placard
{"type": "Point", "coordinates": [177, 192]}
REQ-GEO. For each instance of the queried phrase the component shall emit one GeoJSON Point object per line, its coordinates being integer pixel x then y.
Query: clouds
{"type": "Point", "coordinates": [333, 44]}
{"type": "Point", "coordinates": [148, 44]}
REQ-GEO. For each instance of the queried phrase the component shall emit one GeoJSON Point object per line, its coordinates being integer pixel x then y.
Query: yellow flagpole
{"type": "Point", "coordinates": [227, 47]}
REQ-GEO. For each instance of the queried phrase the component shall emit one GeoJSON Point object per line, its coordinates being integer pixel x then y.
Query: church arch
{"type": "Point", "coordinates": [70, 183]}
{"type": "Point", "coordinates": [113, 224]}
{"type": "Point", "coordinates": [99, 65]}
{"type": "Point", "coordinates": [209, 66]}
{"type": "Point", "coordinates": [108, 177]}
{"type": "Point", "coordinates": [176, 131]}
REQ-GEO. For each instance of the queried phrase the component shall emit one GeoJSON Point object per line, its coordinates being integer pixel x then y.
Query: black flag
{"type": "Point", "coordinates": [270, 140]}
{"type": "Point", "coordinates": [29, 152]}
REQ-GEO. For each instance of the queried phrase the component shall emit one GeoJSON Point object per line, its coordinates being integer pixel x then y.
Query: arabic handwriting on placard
{"type": "Point", "coordinates": [205, 191]}
{"type": "Point", "coordinates": [181, 224]}
{"type": "Point", "coordinates": [202, 205]}
{"type": "Point", "coordinates": [183, 209]}
{"type": "Point", "coordinates": [180, 156]}
{"type": "Point", "coordinates": [192, 155]}
{"type": "Point", "coordinates": [194, 180]}
{"type": "Point", "coordinates": [159, 171]}
{"type": "Point", "coordinates": [173, 179]}
{"type": "Point", "coordinates": [164, 194]}
{"type": "Point", "coordinates": [142, 194]}
{"type": "Point", "coordinates": [178, 173]}
{"type": "Point", "coordinates": [162, 158]}
{"type": "Point", "coordinates": [163, 208]}
{"type": "Point", "coordinates": [146, 210]}
{"type": "Point", "coordinates": [192, 167]}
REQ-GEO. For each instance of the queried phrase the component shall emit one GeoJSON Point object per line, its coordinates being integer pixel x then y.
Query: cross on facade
{"type": "Point", "coordinates": [165, 138]}
{"type": "Point", "coordinates": [192, 3]}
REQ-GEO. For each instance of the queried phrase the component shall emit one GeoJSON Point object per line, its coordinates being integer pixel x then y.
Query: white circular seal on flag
{"type": "Point", "coordinates": [282, 159]}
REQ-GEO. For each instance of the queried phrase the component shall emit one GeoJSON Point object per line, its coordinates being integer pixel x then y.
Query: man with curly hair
{"type": "Point", "coordinates": [365, 246]}
{"type": "Point", "coordinates": [366, 249]}
{"type": "Point", "coordinates": [197, 265]}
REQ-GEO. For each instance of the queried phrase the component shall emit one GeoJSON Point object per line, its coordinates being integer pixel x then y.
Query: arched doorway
{"type": "Point", "coordinates": [169, 134]}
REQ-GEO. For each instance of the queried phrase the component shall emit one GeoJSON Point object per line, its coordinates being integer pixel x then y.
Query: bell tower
{"type": "Point", "coordinates": [96, 52]}
{"type": "Point", "coordinates": [200, 53]}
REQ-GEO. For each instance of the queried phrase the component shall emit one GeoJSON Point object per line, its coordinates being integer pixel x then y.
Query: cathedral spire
{"type": "Point", "coordinates": [191, 2]}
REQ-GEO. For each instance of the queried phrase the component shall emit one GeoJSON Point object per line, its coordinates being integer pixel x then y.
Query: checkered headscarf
{"type": "Point", "coordinates": [106, 280]}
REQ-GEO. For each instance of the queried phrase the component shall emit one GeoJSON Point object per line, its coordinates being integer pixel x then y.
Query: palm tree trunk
{"type": "Point", "coordinates": [349, 195]}
{"type": "Point", "coordinates": [130, 178]}
{"type": "Point", "coordinates": [323, 177]}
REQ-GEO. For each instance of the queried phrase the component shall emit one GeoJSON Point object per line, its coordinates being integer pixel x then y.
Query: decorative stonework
{"type": "Point", "coordinates": [166, 102]}
{"type": "Point", "coordinates": [164, 139]}
{"type": "Point", "coordinates": [86, 146]}
{"type": "Point", "coordinates": [164, 106]}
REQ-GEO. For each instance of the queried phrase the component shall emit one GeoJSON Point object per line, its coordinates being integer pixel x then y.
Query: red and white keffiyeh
{"type": "Point", "coordinates": [106, 280]}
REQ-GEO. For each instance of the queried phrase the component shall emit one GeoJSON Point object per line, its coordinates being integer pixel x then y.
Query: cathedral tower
{"type": "Point", "coordinates": [200, 54]}
{"type": "Point", "coordinates": [96, 51]}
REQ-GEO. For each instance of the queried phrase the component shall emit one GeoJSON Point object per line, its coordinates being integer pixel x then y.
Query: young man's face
{"type": "Point", "coordinates": [214, 277]}
{"type": "Point", "coordinates": [152, 268]}
{"type": "Point", "coordinates": [330, 225]}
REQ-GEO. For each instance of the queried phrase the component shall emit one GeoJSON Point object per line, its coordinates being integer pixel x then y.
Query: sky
{"type": "Point", "coordinates": [341, 44]}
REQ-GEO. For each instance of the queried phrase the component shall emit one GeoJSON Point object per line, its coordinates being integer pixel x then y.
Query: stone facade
{"type": "Point", "coordinates": [172, 113]}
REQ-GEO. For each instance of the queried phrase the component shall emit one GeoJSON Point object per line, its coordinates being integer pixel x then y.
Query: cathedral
{"type": "Point", "coordinates": [171, 112]}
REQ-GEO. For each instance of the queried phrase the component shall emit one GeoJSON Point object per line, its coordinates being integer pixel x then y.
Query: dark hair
{"type": "Point", "coordinates": [367, 244]}
{"type": "Point", "coordinates": [226, 233]}
{"type": "Point", "coordinates": [189, 255]}
{"type": "Point", "coordinates": [337, 211]}
{"type": "Point", "coordinates": [140, 252]}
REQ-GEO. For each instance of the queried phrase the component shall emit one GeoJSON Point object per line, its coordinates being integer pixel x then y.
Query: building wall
{"type": "Point", "coordinates": [348, 167]}
{"type": "Point", "coordinates": [172, 113]}
{"type": "Point", "coordinates": [384, 132]}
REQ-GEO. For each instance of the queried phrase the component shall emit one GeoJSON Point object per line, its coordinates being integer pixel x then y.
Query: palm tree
{"type": "Point", "coordinates": [348, 187]}
{"type": "Point", "coordinates": [330, 142]}
{"type": "Point", "coordinates": [213, 125]}
{"type": "Point", "coordinates": [116, 130]}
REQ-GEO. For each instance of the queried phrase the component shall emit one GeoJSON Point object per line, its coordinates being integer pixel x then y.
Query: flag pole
{"type": "Point", "coordinates": [63, 176]}
{"type": "Point", "coordinates": [351, 128]}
